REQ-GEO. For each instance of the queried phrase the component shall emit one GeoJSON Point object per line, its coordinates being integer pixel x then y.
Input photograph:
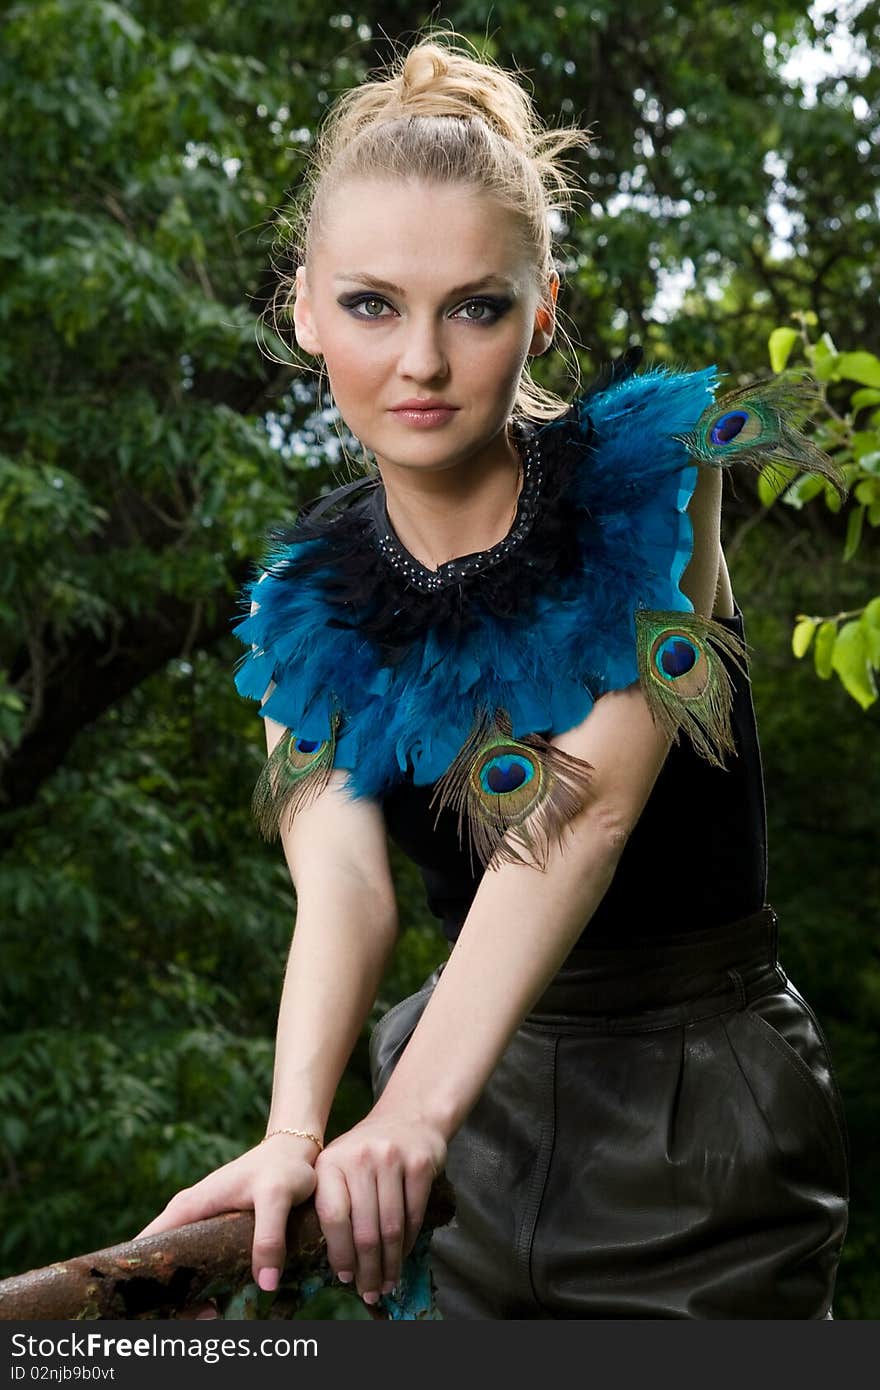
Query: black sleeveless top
{"type": "Point", "coordinates": [696, 858]}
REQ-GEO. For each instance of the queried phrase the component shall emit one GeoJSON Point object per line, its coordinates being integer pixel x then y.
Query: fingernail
{"type": "Point", "coordinates": [388, 1286]}
{"type": "Point", "coordinates": [370, 1297]}
{"type": "Point", "coordinates": [345, 1276]}
{"type": "Point", "coordinates": [268, 1280]}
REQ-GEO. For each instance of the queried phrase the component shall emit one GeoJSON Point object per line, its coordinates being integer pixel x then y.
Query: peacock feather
{"type": "Point", "coordinates": [685, 682]}
{"type": "Point", "coordinates": [511, 789]}
{"type": "Point", "coordinates": [760, 425]}
{"type": "Point", "coordinates": [296, 770]}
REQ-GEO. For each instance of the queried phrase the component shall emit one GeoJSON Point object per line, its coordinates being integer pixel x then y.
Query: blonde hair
{"type": "Point", "coordinates": [445, 117]}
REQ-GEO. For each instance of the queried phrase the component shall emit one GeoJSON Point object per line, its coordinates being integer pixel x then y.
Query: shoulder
{"type": "Point", "coordinates": [637, 426]}
{"type": "Point", "coordinates": [285, 604]}
{"type": "Point", "coordinates": [644, 509]}
{"type": "Point", "coordinates": [667, 397]}
{"type": "Point", "coordinates": [666, 417]}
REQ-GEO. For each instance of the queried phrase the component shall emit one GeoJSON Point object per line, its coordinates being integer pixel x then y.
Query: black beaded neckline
{"type": "Point", "coordinates": [394, 600]}
{"type": "Point", "coordinates": [456, 569]}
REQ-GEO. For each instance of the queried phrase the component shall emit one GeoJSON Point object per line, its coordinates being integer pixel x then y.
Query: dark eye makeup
{"type": "Point", "coordinates": [497, 306]}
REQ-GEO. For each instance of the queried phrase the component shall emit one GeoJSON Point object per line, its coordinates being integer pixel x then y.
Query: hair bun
{"type": "Point", "coordinates": [422, 67]}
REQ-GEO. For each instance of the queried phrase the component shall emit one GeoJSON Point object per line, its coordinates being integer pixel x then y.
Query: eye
{"type": "Point", "coordinates": [363, 299]}
{"type": "Point", "coordinates": [491, 309]}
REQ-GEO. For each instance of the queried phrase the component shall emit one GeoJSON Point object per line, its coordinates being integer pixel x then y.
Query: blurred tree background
{"type": "Point", "coordinates": [146, 444]}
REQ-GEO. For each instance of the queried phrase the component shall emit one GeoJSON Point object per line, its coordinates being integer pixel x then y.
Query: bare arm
{"type": "Point", "coordinates": [346, 928]}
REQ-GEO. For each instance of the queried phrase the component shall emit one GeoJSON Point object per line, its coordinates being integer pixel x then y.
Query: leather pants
{"type": "Point", "coordinates": [662, 1138]}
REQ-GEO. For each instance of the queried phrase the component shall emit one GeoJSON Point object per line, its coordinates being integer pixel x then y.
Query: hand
{"type": "Point", "coordinates": [373, 1187]}
{"type": "Point", "coordinates": [269, 1179]}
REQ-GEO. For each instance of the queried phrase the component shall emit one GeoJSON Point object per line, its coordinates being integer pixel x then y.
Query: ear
{"type": "Point", "coordinates": [545, 319]}
{"type": "Point", "coordinates": [303, 322]}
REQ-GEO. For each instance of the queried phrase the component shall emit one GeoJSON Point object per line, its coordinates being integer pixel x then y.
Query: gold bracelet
{"type": "Point", "coordinates": [299, 1133]}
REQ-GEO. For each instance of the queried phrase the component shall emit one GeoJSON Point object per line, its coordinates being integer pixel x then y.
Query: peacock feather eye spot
{"type": "Point", "coordinates": [676, 656]}
{"type": "Point", "coordinates": [506, 772]}
{"type": "Point", "coordinates": [729, 426]}
{"type": "Point", "coordinates": [294, 770]}
{"type": "Point", "coordinates": [677, 661]}
{"type": "Point", "coordinates": [683, 668]}
{"type": "Point", "coordinates": [303, 753]}
{"type": "Point", "coordinates": [306, 745]}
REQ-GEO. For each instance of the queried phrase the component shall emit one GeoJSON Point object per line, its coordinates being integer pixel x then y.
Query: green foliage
{"type": "Point", "coordinates": [848, 643]}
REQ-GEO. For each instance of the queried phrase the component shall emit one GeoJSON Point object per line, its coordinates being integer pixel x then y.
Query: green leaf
{"type": "Point", "coordinates": [866, 395]}
{"type": "Point", "coordinates": [14, 1131]}
{"type": "Point", "coordinates": [773, 479]}
{"type": "Point", "coordinates": [872, 639]}
{"type": "Point", "coordinates": [864, 444]}
{"type": "Point", "coordinates": [780, 343]}
{"type": "Point", "coordinates": [181, 57]}
{"type": "Point", "coordinates": [125, 22]}
{"type": "Point", "coordinates": [832, 499]}
{"type": "Point", "coordinates": [803, 636]}
{"type": "Point", "coordinates": [867, 491]}
{"type": "Point", "coordinates": [803, 489]}
{"type": "Point", "coordinates": [851, 662]}
{"type": "Point", "coordinates": [823, 650]}
{"type": "Point", "coordinates": [853, 532]}
{"type": "Point", "coordinates": [823, 357]}
{"type": "Point", "coordinates": [859, 366]}
{"type": "Point", "coordinates": [871, 615]}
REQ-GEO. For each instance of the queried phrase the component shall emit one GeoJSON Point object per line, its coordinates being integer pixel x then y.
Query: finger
{"type": "Point", "coordinates": [333, 1208]}
{"type": "Point", "coordinates": [392, 1222]}
{"type": "Point", "coordinates": [271, 1209]}
{"type": "Point", "coordinates": [417, 1189]}
{"type": "Point", "coordinates": [365, 1230]}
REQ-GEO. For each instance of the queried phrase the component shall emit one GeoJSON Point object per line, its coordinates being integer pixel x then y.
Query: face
{"type": "Point", "coordinates": [391, 302]}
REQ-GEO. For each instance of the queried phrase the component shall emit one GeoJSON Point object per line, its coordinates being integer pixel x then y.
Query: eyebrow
{"type": "Point", "coordinates": [364, 279]}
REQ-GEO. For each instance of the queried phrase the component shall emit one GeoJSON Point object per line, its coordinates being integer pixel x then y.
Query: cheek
{"type": "Point", "coordinates": [352, 361]}
{"type": "Point", "coordinates": [496, 356]}
{"type": "Point", "coordinates": [355, 376]}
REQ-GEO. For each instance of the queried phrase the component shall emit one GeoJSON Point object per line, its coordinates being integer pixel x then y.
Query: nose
{"type": "Point", "coordinates": [422, 355]}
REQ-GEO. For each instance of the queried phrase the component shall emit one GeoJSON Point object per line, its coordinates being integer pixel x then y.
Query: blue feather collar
{"type": "Point", "coordinates": [618, 486]}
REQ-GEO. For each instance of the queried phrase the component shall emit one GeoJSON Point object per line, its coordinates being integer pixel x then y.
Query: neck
{"type": "Point", "coordinates": [458, 510]}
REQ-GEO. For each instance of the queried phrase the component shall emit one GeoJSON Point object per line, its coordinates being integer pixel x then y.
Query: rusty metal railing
{"type": "Point", "coordinates": [208, 1264]}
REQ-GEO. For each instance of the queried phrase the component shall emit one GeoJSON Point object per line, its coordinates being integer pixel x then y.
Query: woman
{"type": "Point", "coordinates": [491, 647]}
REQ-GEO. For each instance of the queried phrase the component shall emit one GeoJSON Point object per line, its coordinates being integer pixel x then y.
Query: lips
{"type": "Point", "coordinates": [424, 405]}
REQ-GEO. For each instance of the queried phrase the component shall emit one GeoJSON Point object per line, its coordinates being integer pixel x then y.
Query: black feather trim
{"type": "Point", "coordinates": [372, 595]}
